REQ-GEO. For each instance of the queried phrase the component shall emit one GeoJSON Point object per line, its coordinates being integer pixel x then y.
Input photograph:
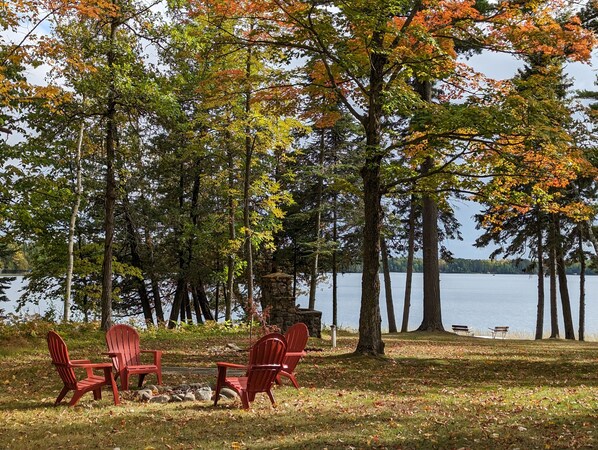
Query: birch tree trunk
{"type": "Point", "coordinates": [582, 286]}
{"type": "Point", "coordinates": [249, 146]}
{"type": "Point", "coordinates": [540, 252]}
{"type": "Point", "coordinates": [409, 273]}
{"type": "Point", "coordinates": [230, 260]}
{"type": "Point", "coordinates": [71, 239]}
{"type": "Point", "coordinates": [554, 323]}
{"type": "Point", "coordinates": [314, 265]}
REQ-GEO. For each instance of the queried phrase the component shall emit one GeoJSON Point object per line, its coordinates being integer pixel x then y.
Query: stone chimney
{"type": "Point", "coordinates": [277, 295]}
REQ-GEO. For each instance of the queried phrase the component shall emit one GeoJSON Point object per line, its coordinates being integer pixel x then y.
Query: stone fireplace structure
{"type": "Point", "coordinates": [277, 294]}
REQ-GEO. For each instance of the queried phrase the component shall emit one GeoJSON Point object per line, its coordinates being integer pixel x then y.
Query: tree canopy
{"type": "Point", "coordinates": [185, 149]}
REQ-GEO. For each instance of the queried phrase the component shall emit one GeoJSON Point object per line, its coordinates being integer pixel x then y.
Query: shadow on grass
{"type": "Point", "coordinates": [452, 364]}
{"type": "Point", "coordinates": [293, 426]}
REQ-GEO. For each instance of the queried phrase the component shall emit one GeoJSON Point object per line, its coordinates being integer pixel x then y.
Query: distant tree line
{"type": "Point", "coordinates": [463, 265]}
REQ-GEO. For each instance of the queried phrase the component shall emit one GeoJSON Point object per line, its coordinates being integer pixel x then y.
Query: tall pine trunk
{"type": "Point", "coordinates": [196, 305]}
{"type": "Point", "coordinates": [178, 305]}
{"type": "Point", "coordinates": [180, 292]}
{"type": "Point", "coordinates": [155, 285]}
{"type": "Point", "coordinates": [390, 309]}
{"type": "Point", "coordinates": [136, 261]}
{"type": "Point", "coordinates": [110, 196]}
{"type": "Point", "coordinates": [202, 299]}
{"type": "Point", "coordinates": [432, 320]}
{"type": "Point", "coordinates": [563, 287]}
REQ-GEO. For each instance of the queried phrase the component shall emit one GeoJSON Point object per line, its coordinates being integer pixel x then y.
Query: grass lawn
{"type": "Point", "coordinates": [431, 391]}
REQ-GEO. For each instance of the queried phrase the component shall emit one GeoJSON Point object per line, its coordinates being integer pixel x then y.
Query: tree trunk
{"type": "Point", "coordinates": [540, 251]}
{"type": "Point", "coordinates": [196, 305]}
{"type": "Point", "coordinates": [202, 298]}
{"type": "Point", "coordinates": [409, 274]}
{"type": "Point", "coordinates": [110, 197]}
{"type": "Point", "coordinates": [432, 320]}
{"type": "Point", "coordinates": [155, 285]}
{"type": "Point", "coordinates": [217, 301]}
{"type": "Point", "coordinates": [554, 322]}
{"type": "Point", "coordinates": [390, 309]}
{"type": "Point", "coordinates": [249, 146]}
{"type": "Point", "coordinates": [370, 331]}
{"type": "Point", "coordinates": [136, 262]}
{"type": "Point", "coordinates": [189, 318]}
{"type": "Point", "coordinates": [313, 285]}
{"type": "Point", "coordinates": [178, 305]}
{"type": "Point", "coordinates": [230, 259]}
{"type": "Point", "coordinates": [71, 238]}
{"type": "Point", "coordinates": [582, 285]}
{"type": "Point", "coordinates": [563, 288]}
{"type": "Point", "coordinates": [157, 301]}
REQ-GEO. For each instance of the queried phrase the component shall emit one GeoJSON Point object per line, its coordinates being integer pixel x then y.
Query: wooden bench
{"type": "Point", "coordinates": [499, 331]}
{"type": "Point", "coordinates": [462, 329]}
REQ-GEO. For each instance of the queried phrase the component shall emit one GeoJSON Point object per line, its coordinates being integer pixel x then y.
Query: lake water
{"type": "Point", "coordinates": [478, 300]}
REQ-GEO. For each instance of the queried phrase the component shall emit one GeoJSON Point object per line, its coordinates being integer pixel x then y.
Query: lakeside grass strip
{"type": "Point", "coordinates": [430, 391]}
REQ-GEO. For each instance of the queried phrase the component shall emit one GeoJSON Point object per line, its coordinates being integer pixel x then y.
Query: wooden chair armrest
{"type": "Point", "coordinates": [93, 365]}
{"type": "Point", "coordinates": [89, 366]}
{"type": "Point", "coordinates": [231, 365]}
{"type": "Point", "coordinates": [157, 356]}
{"type": "Point", "coordinates": [295, 353]}
{"type": "Point", "coordinates": [82, 363]}
{"type": "Point", "coordinates": [117, 360]}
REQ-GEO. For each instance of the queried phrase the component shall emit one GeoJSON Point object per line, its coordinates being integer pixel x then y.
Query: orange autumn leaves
{"type": "Point", "coordinates": [29, 44]}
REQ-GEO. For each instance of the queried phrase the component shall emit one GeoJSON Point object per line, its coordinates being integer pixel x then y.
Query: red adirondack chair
{"type": "Point", "coordinates": [265, 362]}
{"type": "Point", "coordinates": [123, 348]}
{"type": "Point", "coordinates": [296, 337]}
{"type": "Point", "coordinates": [65, 367]}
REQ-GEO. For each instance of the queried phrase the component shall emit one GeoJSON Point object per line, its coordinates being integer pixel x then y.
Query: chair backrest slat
{"type": "Point", "coordinates": [265, 361]}
{"type": "Point", "coordinates": [60, 358]}
{"type": "Point", "coordinates": [125, 340]}
{"type": "Point", "coordinates": [296, 336]}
